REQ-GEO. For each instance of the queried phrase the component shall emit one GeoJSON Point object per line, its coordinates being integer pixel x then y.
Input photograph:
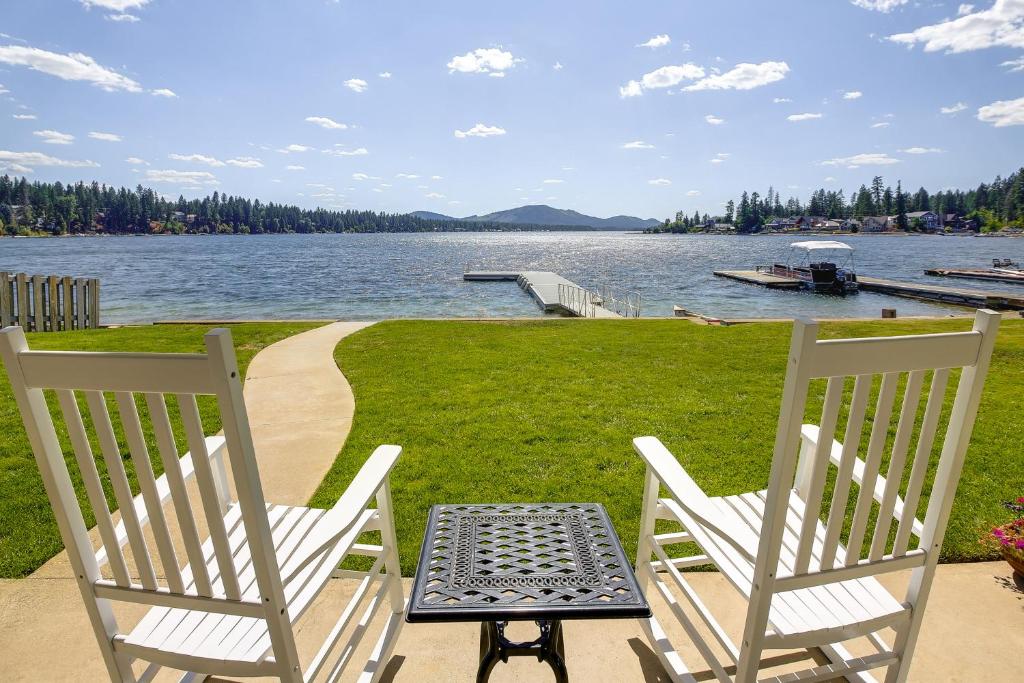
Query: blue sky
{"type": "Point", "coordinates": [639, 108]}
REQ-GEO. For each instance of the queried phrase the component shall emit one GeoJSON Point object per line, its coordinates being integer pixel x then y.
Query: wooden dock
{"type": "Point", "coordinates": [544, 287]}
{"type": "Point", "coordinates": [974, 298]}
{"type": "Point", "coordinates": [976, 274]}
{"type": "Point", "coordinates": [49, 303]}
{"type": "Point", "coordinates": [754, 277]}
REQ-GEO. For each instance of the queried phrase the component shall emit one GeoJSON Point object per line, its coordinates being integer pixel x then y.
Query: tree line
{"type": "Point", "coordinates": [991, 205]}
{"type": "Point", "coordinates": [59, 209]}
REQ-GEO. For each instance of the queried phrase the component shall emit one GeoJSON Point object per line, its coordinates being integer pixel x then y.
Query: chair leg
{"type": "Point", "coordinates": [389, 540]}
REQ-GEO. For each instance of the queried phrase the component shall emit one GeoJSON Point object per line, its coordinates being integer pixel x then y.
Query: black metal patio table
{"type": "Point", "coordinates": [542, 562]}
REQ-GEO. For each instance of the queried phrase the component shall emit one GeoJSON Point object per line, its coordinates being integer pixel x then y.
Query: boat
{"type": "Point", "coordinates": [824, 266]}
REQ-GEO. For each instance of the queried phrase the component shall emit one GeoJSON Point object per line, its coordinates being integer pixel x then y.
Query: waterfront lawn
{"type": "Point", "coordinates": [28, 531]}
{"type": "Point", "coordinates": [545, 411]}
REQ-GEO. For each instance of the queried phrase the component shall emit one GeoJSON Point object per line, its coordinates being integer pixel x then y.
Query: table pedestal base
{"type": "Point", "coordinates": [548, 647]}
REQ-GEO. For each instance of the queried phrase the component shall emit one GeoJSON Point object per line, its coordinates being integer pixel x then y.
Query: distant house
{"type": "Point", "coordinates": [874, 224]}
{"type": "Point", "coordinates": [178, 216]}
{"type": "Point", "coordinates": [956, 223]}
{"type": "Point", "coordinates": [781, 224]}
{"type": "Point", "coordinates": [929, 219]}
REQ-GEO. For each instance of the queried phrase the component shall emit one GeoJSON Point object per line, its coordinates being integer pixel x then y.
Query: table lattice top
{"type": "Point", "coordinates": [523, 561]}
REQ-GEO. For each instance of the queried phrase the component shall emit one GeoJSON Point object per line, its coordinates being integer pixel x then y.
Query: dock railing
{"type": "Point", "coordinates": [577, 300]}
{"type": "Point", "coordinates": [626, 305]}
{"type": "Point", "coordinates": [49, 303]}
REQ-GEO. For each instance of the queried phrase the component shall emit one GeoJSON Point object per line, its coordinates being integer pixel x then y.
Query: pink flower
{"type": "Point", "coordinates": [1021, 499]}
{"type": "Point", "coordinates": [1020, 544]}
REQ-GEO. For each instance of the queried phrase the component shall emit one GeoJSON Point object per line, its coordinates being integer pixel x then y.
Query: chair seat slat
{"type": "Point", "coordinates": [122, 490]}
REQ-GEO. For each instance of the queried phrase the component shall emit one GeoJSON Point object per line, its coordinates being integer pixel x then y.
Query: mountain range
{"type": "Point", "coordinates": [542, 214]}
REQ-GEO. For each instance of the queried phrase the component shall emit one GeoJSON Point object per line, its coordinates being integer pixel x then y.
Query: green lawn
{"type": "Point", "coordinates": [28, 532]}
{"type": "Point", "coordinates": [545, 411]}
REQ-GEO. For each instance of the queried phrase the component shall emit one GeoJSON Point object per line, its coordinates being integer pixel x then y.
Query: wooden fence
{"type": "Point", "coordinates": [49, 303]}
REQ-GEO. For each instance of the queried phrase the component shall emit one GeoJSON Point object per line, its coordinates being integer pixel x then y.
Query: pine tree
{"type": "Point", "coordinates": [901, 208]}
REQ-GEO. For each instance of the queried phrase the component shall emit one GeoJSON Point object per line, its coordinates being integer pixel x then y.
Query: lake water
{"type": "Point", "coordinates": [374, 276]}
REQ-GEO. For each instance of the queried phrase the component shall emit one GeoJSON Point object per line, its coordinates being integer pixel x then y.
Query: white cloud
{"type": "Point", "coordinates": [480, 130]}
{"type": "Point", "coordinates": [294, 148]}
{"type": "Point", "coordinates": [720, 158]}
{"type": "Point", "coordinates": [406, 176]}
{"type": "Point", "coordinates": [294, 167]}
{"type": "Point", "coordinates": [1014, 65]}
{"type": "Point", "coordinates": [124, 18]}
{"type": "Point", "coordinates": [921, 150]}
{"type": "Point", "coordinates": [28, 160]}
{"type": "Point", "coordinates": [743, 77]}
{"type": "Point", "coordinates": [1003, 113]}
{"type": "Point", "coordinates": [657, 41]}
{"type": "Point", "coordinates": [781, 100]}
{"type": "Point", "coordinates": [483, 60]}
{"type": "Point", "coordinates": [803, 117]}
{"type": "Point", "coordinates": [384, 74]}
{"type": "Point", "coordinates": [553, 181]}
{"type": "Point", "coordinates": [955, 109]}
{"type": "Point", "coordinates": [25, 117]}
{"type": "Point", "coordinates": [357, 152]}
{"type": "Point", "coordinates": [631, 89]}
{"type": "Point", "coordinates": [324, 122]}
{"type": "Point", "coordinates": [164, 92]}
{"type": "Point", "coordinates": [364, 176]}
{"type": "Point", "coordinates": [660, 182]}
{"type": "Point", "coordinates": [714, 120]}
{"type": "Point", "coordinates": [356, 85]}
{"type": "Point", "coordinates": [964, 9]}
{"type": "Point", "coordinates": [830, 179]}
{"type": "Point", "coordinates": [115, 5]}
{"type": "Point", "coordinates": [637, 144]}
{"type": "Point", "coordinates": [54, 137]}
{"type": "Point", "coordinates": [434, 195]}
{"type": "Point", "coordinates": [557, 66]}
{"type": "Point", "coordinates": [852, 95]}
{"type": "Point", "coordinates": [881, 124]}
{"type": "Point", "coordinates": [436, 177]}
{"type": "Point", "coordinates": [693, 193]}
{"type": "Point", "coordinates": [668, 76]}
{"type": "Point", "coordinates": [73, 66]}
{"type": "Point", "coordinates": [197, 159]}
{"type": "Point", "coordinates": [245, 162]}
{"type": "Point", "coordinates": [136, 161]}
{"type": "Point", "coordinates": [858, 160]}
{"type": "Point", "coordinates": [182, 177]}
{"type": "Point", "coordinates": [1002, 25]}
{"type": "Point", "coordinates": [106, 137]}
{"type": "Point", "coordinates": [879, 5]}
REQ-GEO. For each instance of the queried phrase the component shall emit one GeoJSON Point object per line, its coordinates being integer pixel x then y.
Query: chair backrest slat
{"type": "Point", "coordinates": [922, 456]}
{"type": "Point", "coordinates": [147, 483]}
{"type": "Point", "coordinates": [208, 493]}
{"type": "Point", "coordinates": [93, 487]}
{"type": "Point", "coordinates": [179, 494]}
{"type": "Point", "coordinates": [897, 464]}
{"type": "Point", "coordinates": [844, 476]}
{"type": "Point", "coordinates": [122, 491]}
{"type": "Point", "coordinates": [872, 462]}
{"type": "Point", "coordinates": [820, 466]}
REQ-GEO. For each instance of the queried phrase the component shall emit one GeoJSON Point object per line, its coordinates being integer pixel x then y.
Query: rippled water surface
{"type": "Point", "coordinates": [420, 275]}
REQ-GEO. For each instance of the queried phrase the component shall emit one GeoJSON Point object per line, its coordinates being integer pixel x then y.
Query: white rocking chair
{"type": "Point", "coordinates": [225, 606]}
{"type": "Point", "coordinates": [804, 587]}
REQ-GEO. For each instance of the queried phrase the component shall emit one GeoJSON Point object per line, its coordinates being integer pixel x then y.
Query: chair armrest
{"type": "Point", "coordinates": [214, 445]}
{"type": "Point", "coordinates": [691, 498]}
{"type": "Point", "coordinates": [346, 513]}
{"type": "Point", "coordinates": [809, 434]}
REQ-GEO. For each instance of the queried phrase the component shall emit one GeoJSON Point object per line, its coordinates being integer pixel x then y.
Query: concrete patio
{"type": "Point", "coordinates": [973, 630]}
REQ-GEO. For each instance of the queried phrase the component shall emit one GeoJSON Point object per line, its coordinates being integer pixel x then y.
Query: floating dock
{"type": "Point", "coordinates": [976, 274]}
{"type": "Point", "coordinates": [754, 277]}
{"type": "Point", "coordinates": [950, 295]}
{"type": "Point", "coordinates": [543, 286]}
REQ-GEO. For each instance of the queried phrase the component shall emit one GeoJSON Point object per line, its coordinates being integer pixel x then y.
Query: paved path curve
{"type": "Point", "coordinates": [300, 410]}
